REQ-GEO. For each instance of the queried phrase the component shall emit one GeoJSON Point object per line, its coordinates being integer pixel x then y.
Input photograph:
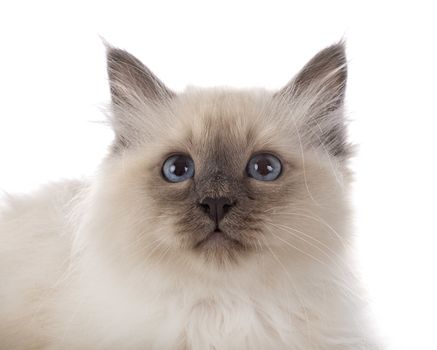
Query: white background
{"type": "Point", "coordinates": [53, 84]}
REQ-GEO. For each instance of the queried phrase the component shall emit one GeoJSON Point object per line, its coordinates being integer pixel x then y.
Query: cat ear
{"type": "Point", "coordinates": [130, 79]}
{"type": "Point", "coordinates": [316, 95]}
{"type": "Point", "coordinates": [135, 92]}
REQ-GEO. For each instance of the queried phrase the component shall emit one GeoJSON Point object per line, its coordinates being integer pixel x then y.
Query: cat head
{"type": "Point", "coordinates": [225, 175]}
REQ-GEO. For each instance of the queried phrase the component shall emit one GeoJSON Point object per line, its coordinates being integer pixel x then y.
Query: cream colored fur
{"type": "Point", "coordinates": [91, 265]}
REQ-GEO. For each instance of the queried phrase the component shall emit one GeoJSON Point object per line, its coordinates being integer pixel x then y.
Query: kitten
{"type": "Point", "coordinates": [219, 220]}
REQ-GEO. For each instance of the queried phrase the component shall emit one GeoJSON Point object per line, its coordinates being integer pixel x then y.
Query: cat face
{"type": "Point", "coordinates": [222, 175]}
{"type": "Point", "coordinates": [218, 210]}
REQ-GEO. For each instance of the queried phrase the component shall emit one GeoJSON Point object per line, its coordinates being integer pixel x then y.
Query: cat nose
{"type": "Point", "coordinates": [216, 208]}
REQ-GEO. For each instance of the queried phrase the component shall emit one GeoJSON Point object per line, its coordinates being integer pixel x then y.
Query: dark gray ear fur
{"type": "Point", "coordinates": [320, 87]}
{"type": "Point", "coordinates": [128, 75]}
{"type": "Point", "coordinates": [134, 91]}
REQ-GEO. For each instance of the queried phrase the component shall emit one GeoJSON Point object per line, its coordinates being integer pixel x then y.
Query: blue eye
{"type": "Point", "coordinates": [264, 167]}
{"type": "Point", "coordinates": [178, 168]}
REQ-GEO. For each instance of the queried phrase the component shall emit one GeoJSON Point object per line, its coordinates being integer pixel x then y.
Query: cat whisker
{"type": "Point", "coordinates": [312, 216]}
{"type": "Point", "coordinates": [293, 232]}
{"type": "Point", "coordinates": [338, 261]}
{"type": "Point", "coordinates": [259, 250]}
{"type": "Point", "coordinates": [298, 249]}
{"type": "Point", "coordinates": [334, 171]}
{"type": "Point", "coordinates": [298, 297]}
{"type": "Point", "coordinates": [302, 153]}
{"type": "Point", "coordinates": [341, 267]}
{"type": "Point", "coordinates": [143, 264]}
{"type": "Point", "coordinates": [320, 220]}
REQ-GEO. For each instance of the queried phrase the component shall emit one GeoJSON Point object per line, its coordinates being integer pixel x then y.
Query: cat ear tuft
{"type": "Point", "coordinates": [318, 92]}
{"type": "Point", "coordinates": [131, 80]}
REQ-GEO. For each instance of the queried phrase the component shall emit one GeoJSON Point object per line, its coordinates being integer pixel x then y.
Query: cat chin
{"type": "Point", "coordinates": [218, 240]}
{"type": "Point", "coordinates": [219, 247]}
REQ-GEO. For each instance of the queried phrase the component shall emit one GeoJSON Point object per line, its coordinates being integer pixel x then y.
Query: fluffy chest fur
{"type": "Point", "coordinates": [254, 310]}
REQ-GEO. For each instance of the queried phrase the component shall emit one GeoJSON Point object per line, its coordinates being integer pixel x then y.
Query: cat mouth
{"type": "Point", "coordinates": [218, 239]}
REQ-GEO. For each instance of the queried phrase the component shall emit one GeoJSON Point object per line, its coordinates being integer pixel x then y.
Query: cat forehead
{"type": "Point", "coordinates": [225, 117]}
